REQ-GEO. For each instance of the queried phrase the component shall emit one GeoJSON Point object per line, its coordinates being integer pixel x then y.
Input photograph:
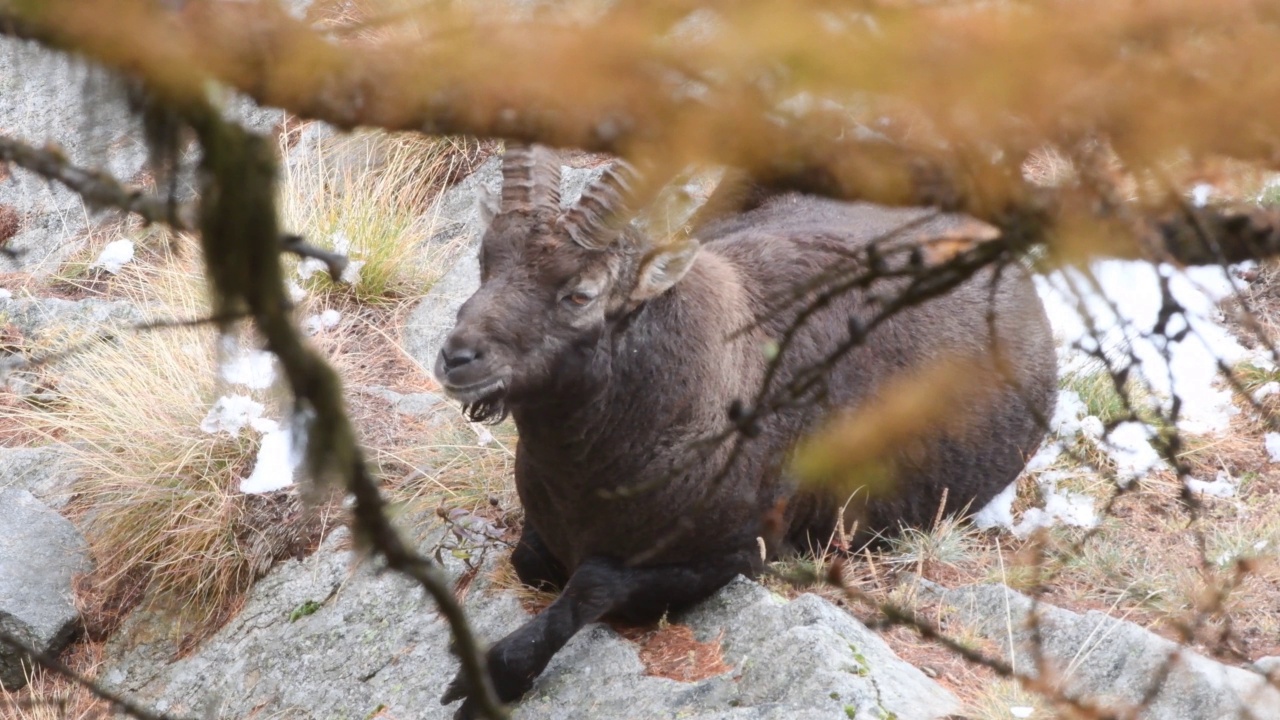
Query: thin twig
{"type": "Point", "coordinates": [54, 665]}
{"type": "Point", "coordinates": [98, 187]}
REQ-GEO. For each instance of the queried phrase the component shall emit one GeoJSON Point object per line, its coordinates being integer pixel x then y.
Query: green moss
{"type": "Point", "coordinates": [307, 608]}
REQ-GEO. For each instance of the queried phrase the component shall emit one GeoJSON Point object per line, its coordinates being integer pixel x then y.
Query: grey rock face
{"type": "Point", "coordinates": [459, 219]}
{"type": "Point", "coordinates": [1116, 663]}
{"type": "Point", "coordinates": [1269, 666]}
{"type": "Point", "coordinates": [418, 404]}
{"type": "Point", "coordinates": [46, 472]}
{"type": "Point", "coordinates": [358, 641]}
{"type": "Point", "coordinates": [55, 318]}
{"type": "Point", "coordinates": [40, 551]}
{"type": "Point", "coordinates": [51, 99]}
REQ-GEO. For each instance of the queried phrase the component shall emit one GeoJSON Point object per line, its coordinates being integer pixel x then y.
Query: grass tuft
{"type": "Point", "coordinates": [159, 499]}
{"type": "Point", "coordinates": [368, 195]}
{"type": "Point", "coordinates": [950, 543]}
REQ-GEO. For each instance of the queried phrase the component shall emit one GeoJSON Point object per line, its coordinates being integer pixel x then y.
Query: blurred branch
{"type": "Point", "coordinates": [963, 150]}
{"type": "Point", "coordinates": [335, 263]}
{"type": "Point", "coordinates": [44, 660]}
{"type": "Point", "coordinates": [1213, 237]}
{"type": "Point", "coordinates": [241, 244]}
{"type": "Point", "coordinates": [98, 187]}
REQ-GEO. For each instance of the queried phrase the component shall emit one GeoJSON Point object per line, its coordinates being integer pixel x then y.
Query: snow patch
{"type": "Point", "coordinates": [296, 292]}
{"type": "Point", "coordinates": [341, 245]}
{"type": "Point", "coordinates": [5, 294]}
{"type": "Point", "coordinates": [315, 324]}
{"type": "Point", "coordinates": [1223, 486]}
{"type": "Point", "coordinates": [1045, 457]}
{"type": "Point", "coordinates": [998, 512]}
{"type": "Point", "coordinates": [1066, 416]}
{"type": "Point", "coordinates": [1202, 193]}
{"type": "Point", "coordinates": [1125, 307]}
{"type": "Point", "coordinates": [1266, 391]}
{"type": "Point", "coordinates": [254, 369]}
{"type": "Point", "coordinates": [277, 462]}
{"type": "Point", "coordinates": [351, 273]}
{"type": "Point", "coordinates": [310, 266]}
{"type": "Point", "coordinates": [114, 256]}
{"type": "Point", "coordinates": [1065, 507]}
{"type": "Point", "coordinates": [1092, 427]}
{"type": "Point", "coordinates": [1129, 445]}
{"type": "Point", "coordinates": [231, 414]}
{"type": "Point", "coordinates": [1273, 446]}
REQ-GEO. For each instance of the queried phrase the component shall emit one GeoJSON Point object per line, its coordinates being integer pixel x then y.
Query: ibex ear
{"type": "Point", "coordinates": [663, 268]}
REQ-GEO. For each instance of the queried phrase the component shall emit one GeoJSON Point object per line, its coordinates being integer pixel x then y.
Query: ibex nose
{"type": "Point", "coordinates": [455, 354]}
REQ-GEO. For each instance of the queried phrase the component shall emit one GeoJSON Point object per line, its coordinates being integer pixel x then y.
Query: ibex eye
{"type": "Point", "coordinates": [579, 298]}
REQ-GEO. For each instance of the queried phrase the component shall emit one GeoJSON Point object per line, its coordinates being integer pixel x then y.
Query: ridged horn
{"type": "Point", "coordinates": [530, 178]}
{"type": "Point", "coordinates": [596, 220]}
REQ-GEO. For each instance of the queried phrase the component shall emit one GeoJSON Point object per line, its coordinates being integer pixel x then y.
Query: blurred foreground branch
{"type": "Point", "coordinates": [790, 96]}
{"type": "Point", "coordinates": [238, 232]}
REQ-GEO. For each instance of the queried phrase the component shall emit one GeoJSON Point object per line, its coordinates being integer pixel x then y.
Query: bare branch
{"type": "Point", "coordinates": [98, 187]}
{"type": "Point", "coordinates": [242, 252]}
{"type": "Point", "coordinates": [53, 665]}
{"type": "Point", "coordinates": [336, 263]}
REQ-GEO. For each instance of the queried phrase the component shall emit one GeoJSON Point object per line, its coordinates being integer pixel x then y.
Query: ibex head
{"type": "Point", "coordinates": [553, 284]}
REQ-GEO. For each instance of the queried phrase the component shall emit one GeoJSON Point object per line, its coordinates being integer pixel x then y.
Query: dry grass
{"type": "Point", "coordinates": [1165, 587]}
{"type": "Point", "coordinates": [51, 697]}
{"type": "Point", "coordinates": [367, 195]}
{"type": "Point", "coordinates": [1006, 700]}
{"type": "Point", "coordinates": [159, 501]}
{"type": "Point", "coordinates": [672, 651]}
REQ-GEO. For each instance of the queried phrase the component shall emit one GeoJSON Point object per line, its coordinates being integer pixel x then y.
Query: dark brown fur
{"type": "Point", "coordinates": [611, 400]}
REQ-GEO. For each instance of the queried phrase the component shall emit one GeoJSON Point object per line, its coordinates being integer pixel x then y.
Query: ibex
{"type": "Point", "coordinates": [618, 357]}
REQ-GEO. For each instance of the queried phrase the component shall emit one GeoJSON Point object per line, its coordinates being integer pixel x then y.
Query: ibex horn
{"type": "Point", "coordinates": [596, 220]}
{"type": "Point", "coordinates": [530, 178]}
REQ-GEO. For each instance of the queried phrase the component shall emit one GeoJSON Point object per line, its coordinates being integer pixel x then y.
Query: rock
{"type": "Point", "coordinates": [318, 640]}
{"type": "Point", "coordinates": [419, 404]}
{"type": "Point", "coordinates": [804, 653]}
{"type": "Point", "coordinates": [574, 180]}
{"type": "Point", "coordinates": [431, 320]}
{"type": "Point", "coordinates": [459, 220]}
{"type": "Point", "coordinates": [46, 472]}
{"type": "Point", "coordinates": [59, 321]}
{"type": "Point", "coordinates": [54, 99]}
{"type": "Point", "coordinates": [1269, 666]}
{"type": "Point", "coordinates": [1116, 663]}
{"type": "Point", "coordinates": [40, 551]}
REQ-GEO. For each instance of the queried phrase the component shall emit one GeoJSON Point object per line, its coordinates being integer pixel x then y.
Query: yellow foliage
{"type": "Point", "coordinates": [961, 94]}
{"type": "Point", "coordinates": [855, 451]}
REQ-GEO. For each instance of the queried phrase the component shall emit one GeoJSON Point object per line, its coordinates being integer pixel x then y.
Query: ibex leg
{"type": "Point", "coordinates": [599, 587]}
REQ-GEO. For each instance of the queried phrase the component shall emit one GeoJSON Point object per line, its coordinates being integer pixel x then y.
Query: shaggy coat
{"type": "Point", "coordinates": [619, 360]}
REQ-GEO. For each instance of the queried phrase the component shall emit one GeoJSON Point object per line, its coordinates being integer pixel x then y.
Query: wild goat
{"type": "Point", "coordinates": [618, 358]}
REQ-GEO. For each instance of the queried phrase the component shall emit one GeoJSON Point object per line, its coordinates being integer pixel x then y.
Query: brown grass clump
{"type": "Point", "coordinates": [10, 223]}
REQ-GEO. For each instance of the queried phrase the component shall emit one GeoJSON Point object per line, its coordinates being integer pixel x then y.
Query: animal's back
{"type": "Point", "coordinates": [792, 240]}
